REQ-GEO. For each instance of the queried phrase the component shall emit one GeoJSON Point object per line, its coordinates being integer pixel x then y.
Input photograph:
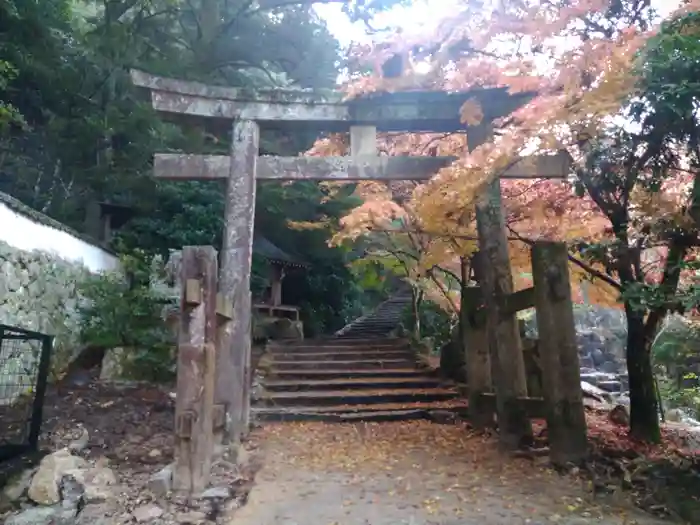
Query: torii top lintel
{"type": "Point", "coordinates": [363, 117]}
{"type": "Point", "coordinates": [425, 111]}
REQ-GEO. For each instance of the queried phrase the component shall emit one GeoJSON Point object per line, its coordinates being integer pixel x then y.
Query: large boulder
{"type": "Point", "coordinates": [114, 364]}
{"type": "Point", "coordinates": [601, 336]}
{"type": "Point", "coordinates": [55, 515]}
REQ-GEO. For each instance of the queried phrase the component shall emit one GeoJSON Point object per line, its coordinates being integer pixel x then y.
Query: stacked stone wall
{"type": "Point", "coordinates": [39, 292]}
{"type": "Point", "coordinates": [42, 263]}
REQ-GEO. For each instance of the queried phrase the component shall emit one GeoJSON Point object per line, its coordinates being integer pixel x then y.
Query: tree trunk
{"type": "Point", "coordinates": [644, 409]}
{"type": "Point", "coordinates": [415, 303]}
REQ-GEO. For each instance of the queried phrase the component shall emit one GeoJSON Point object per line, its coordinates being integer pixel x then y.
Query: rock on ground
{"type": "Point", "coordinates": [44, 488]}
{"type": "Point", "coordinates": [147, 513]}
{"type": "Point", "coordinates": [54, 515]}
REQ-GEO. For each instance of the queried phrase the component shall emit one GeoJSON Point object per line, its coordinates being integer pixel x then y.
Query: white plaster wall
{"type": "Point", "coordinates": [24, 234]}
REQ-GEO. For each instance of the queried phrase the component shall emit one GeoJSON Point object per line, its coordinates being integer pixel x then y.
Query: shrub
{"type": "Point", "coordinates": [123, 310]}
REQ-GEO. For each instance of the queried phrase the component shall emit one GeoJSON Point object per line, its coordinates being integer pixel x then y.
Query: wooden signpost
{"type": "Point", "coordinates": [199, 414]}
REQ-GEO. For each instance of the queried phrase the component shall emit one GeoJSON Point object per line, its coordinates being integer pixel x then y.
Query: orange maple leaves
{"type": "Point", "coordinates": [581, 66]}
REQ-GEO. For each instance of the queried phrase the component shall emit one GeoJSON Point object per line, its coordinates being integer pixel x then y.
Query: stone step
{"type": "Point", "coordinates": [358, 331]}
{"type": "Point", "coordinates": [371, 330]}
{"type": "Point", "coordinates": [350, 335]}
{"type": "Point", "coordinates": [334, 373]}
{"type": "Point", "coordinates": [351, 397]}
{"type": "Point", "coordinates": [358, 355]}
{"type": "Point", "coordinates": [336, 349]}
{"type": "Point", "coordinates": [375, 324]}
{"type": "Point", "coordinates": [378, 319]}
{"type": "Point", "coordinates": [344, 413]}
{"type": "Point", "coordinates": [355, 383]}
{"type": "Point", "coordinates": [338, 341]}
{"type": "Point", "coordinates": [349, 364]}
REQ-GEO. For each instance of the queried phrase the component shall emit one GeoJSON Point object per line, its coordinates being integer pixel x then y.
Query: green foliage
{"type": "Point", "coordinates": [670, 68]}
{"type": "Point", "coordinates": [682, 396]}
{"type": "Point", "coordinates": [373, 278]}
{"type": "Point", "coordinates": [9, 115]}
{"type": "Point", "coordinates": [327, 291]}
{"type": "Point", "coordinates": [122, 310]}
{"type": "Point", "coordinates": [184, 214]}
{"type": "Point", "coordinates": [675, 352]}
{"type": "Point", "coordinates": [90, 136]}
{"type": "Point", "coordinates": [676, 342]}
{"type": "Point", "coordinates": [435, 323]}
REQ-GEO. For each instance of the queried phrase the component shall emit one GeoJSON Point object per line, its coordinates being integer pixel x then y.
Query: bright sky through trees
{"type": "Point", "coordinates": [419, 16]}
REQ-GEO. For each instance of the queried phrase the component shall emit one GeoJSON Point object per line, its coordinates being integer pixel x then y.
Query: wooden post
{"type": "Point", "coordinates": [475, 341]}
{"type": "Point", "coordinates": [561, 377]}
{"type": "Point", "coordinates": [196, 368]}
{"type": "Point", "coordinates": [235, 275]}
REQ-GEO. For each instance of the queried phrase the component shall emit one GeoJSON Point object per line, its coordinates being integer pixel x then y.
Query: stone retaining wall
{"type": "Point", "coordinates": [42, 263]}
{"type": "Point", "coordinates": [38, 292]}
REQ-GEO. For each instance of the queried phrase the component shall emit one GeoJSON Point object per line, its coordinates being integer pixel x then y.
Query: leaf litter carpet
{"type": "Point", "coordinates": [411, 473]}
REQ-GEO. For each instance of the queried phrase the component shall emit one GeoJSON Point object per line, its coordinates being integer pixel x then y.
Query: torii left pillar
{"type": "Point", "coordinates": [234, 276]}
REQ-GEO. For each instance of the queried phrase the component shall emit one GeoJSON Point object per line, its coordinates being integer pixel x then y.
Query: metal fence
{"type": "Point", "coordinates": [24, 370]}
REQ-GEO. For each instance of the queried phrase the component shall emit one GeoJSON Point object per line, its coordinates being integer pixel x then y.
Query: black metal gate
{"type": "Point", "coordinates": [24, 370]}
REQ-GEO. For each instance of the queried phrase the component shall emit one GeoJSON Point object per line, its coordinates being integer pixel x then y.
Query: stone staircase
{"type": "Point", "coordinates": [360, 374]}
{"type": "Point", "coordinates": [385, 318]}
{"type": "Point", "coordinates": [349, 379]}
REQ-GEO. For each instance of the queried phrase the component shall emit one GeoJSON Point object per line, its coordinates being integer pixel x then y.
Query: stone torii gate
{"type": "Point", "coordinates": [247, 113]}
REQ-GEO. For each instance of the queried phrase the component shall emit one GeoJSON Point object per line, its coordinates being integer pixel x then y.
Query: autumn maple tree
{"type": "Point", "coordinates": [612, 85]}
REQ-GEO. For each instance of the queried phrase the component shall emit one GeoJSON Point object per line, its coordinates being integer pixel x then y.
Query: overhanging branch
{"type": "Point", "coordinates": [516, 237]}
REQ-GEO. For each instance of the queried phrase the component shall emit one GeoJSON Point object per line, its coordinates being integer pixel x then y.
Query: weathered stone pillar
{"type": "Point", "coordinates": [234, 280]}
{"type": "Point", "coordinates": [561, 376]}
{"type": "Point", "coordinates": [475, 342]}
{"type": "Point", "coordinates": [496, 281]}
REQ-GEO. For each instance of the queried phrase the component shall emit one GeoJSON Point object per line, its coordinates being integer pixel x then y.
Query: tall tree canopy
{"type": "Point", "coordinates": [73, 130]}
{"type": "Point", "coordinates": [629, 209]}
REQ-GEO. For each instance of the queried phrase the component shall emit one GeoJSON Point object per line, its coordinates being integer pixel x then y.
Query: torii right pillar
{"type": "Point", "coordinates": [496, 283]}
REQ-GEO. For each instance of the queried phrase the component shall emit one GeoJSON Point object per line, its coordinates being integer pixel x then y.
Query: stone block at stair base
{"type": "Point", "coordinates": [453, 363]}
{"type": "Point", "coordinates": [274, 328]}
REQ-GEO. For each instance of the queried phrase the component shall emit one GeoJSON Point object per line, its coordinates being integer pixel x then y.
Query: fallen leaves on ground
{"type": "Point", "coordinates": [662, 478]}
{"type": "Point", "coordinates": [470, 465]}
{"type": "Point", "coordinates": [461, 464]}
{"type": "Point", "coordinates": [443, 470]}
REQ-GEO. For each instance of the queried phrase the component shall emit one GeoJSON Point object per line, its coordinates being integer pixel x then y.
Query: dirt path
{"type": "Point", "coordinates": [409, 474]}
